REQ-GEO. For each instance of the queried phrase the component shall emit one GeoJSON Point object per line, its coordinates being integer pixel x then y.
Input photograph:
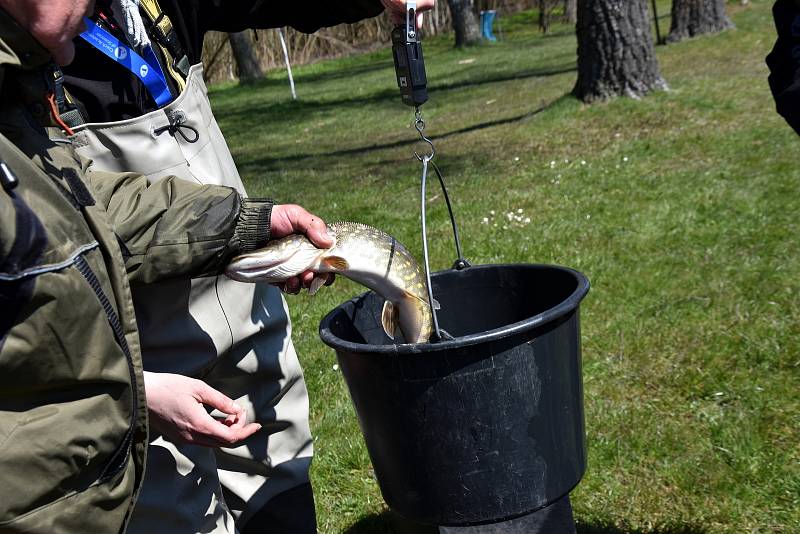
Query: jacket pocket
{"type": "Point", "coordinates": [68, 388]}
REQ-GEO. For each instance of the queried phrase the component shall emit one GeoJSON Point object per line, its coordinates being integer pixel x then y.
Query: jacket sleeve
{"type": "Point", "coordinates": [175, 228]}
{"type": "Point", "coordinates": [784, 62]}
{"type": "Point", "coordinates": [304, 15]}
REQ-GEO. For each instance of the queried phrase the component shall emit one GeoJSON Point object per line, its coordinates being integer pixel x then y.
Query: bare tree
{"type": "Point", "coordinates": [246, 61]}
{"type": "Point", "coordinates": [570, 11]}
{"type": "Point", "coordinates": [545, 14]}
{"type": "Point", "coordinates": [547, 7]}
{"type": "Point", "coordinates": [696, 17]}
{"type": "Point", "coordinates": [465, 22]}
{"type": "Point", "coordinates": [616, 55]}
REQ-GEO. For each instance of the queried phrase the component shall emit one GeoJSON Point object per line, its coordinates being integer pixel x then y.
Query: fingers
{"type": "Point", "coordinates": [315, 230]}
{"type": "Point", "coordinates": [213, 433]}
{"type": "Point", "coordinates": [216, 399]}
{"type": "Point", "coordinates": [307, 280]}
{"type": "Point", "coordinates": [290, 286]}
{"type": "Point", "coordinates": [177, 410]}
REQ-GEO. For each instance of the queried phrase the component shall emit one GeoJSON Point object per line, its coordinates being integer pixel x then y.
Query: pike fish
{"type": "Point", "coordinates": [361, 253]}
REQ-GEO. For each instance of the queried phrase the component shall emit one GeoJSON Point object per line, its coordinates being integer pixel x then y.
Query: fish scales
{"type": "Point", "coordinates": [361, 253]}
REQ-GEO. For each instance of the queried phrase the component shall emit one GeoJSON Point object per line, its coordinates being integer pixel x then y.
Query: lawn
{"type": "Point", "coordinates": [681, 208]}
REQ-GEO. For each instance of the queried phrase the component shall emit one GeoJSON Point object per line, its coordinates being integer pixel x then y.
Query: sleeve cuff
{"type": "Point", "coordinates": [253, 227]}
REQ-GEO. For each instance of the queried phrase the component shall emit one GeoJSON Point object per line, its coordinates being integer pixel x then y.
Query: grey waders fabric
{"type": "Point", "coordinates": [236, 337]}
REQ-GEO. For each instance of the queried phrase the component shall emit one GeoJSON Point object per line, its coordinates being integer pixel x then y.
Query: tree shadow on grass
{"type": "Point", "coordinates": [314, 159]}
{"type": "Point", "coordinates": [345, 72]}
{"type": "Point", "coordinates": [247, 117]}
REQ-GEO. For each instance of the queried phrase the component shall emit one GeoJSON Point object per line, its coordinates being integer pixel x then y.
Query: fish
{"type": "Point", "coordinates": [361, 253]}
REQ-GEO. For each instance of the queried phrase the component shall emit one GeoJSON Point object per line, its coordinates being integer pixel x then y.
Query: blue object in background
{"type": "Point", "coordinates": [487, 21]}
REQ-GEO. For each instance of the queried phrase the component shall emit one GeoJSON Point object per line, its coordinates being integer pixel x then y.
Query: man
{"type": "Point", "coordinates": [73, 425]}
{"type": "Point", "coordinates": [236, 337]}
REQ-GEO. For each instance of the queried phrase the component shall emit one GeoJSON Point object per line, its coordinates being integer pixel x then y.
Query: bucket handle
{"type": "Point", "coordinates": [460, 263]}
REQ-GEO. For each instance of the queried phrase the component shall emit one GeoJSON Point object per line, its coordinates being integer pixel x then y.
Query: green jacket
{"type": "Point", "coordinates": [72, 410]}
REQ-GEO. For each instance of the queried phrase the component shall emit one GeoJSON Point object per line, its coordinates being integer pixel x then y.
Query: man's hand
{"type": "Point", "coordinates": [288, 219]}
{"type": "Point", "coordinates": [176, 405]}
{"type": "Point", "coordinates": [397, 10]}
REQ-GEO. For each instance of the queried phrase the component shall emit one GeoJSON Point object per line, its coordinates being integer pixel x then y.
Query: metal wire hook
{"type": "Point", "coordinates": [419, 124]}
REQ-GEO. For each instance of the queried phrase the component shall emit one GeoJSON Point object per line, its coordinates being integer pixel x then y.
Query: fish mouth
{"type": "Point", "coordinates": [249, 269]}
{"type": "Point", "coordinates": [272, 270]}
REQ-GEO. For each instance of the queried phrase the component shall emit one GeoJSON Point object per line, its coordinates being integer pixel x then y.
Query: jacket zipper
{"type": "Point", "coordinates": [121, 455]}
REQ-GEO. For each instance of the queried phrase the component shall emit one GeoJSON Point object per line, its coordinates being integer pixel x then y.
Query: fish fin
{"type": "Point", "coordinates": [316, 283]}
{"type": "Point", "coordinates": [336, 262]}
{"type": "Point", "coordinates": [389, 319]}
{"type": "Point", "coordinates": [436, 305]}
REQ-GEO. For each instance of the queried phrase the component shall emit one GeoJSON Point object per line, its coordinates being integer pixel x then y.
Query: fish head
{"type": "Point", "coordinates": [278, 261]}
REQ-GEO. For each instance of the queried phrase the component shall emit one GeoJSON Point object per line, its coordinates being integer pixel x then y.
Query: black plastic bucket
{"type": "Point", "coordinates": [482, 428]}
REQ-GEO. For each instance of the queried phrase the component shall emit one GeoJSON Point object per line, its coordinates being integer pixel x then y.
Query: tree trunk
{"type": "Point", "coordinates": [696, 17]}
{"type": "Point", "coordinates": [570, 12]}
{"type": "Point", "coordinates": [544, 15]}
{"type": "Point", "coordinates": [616, 55]}
{"type": "Point", "coordinates": [246, 61]}
{"type": "Point", "coordinates": [540, 5]}
{"type": "Point", "coordinates": [465, 22]}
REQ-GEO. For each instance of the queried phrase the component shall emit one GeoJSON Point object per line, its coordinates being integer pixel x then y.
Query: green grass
{"type": "Point", "coordinates": [681, 208]}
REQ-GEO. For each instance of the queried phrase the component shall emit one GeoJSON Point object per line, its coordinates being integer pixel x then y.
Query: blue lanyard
{"type": "Point", "coordinates": [146, 69]}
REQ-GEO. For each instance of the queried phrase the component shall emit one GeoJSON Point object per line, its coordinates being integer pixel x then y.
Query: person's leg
{"type": "Point", "coordinates": [290, 512]}
{"type": "Point", "coordinates": [262, 373]}
{"type": "Point", "coordinates": [180, 493]}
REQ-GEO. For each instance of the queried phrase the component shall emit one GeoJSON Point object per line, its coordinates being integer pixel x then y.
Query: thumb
{"type": "Point", "coordinates": [216, 399]}
{"type": "Point", "coordinates": [314, 228]}
{"type": "Point", "coordinates": [319, 235]}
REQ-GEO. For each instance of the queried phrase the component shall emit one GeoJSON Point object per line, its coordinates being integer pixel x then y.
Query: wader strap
{"type": "Point", "coordinates": [166, 37]}
{"type": "Point", "coordinates": [68, 111]}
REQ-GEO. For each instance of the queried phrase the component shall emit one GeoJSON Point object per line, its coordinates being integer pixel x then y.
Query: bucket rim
{"type": "Point", "coordinates": [559, 310]}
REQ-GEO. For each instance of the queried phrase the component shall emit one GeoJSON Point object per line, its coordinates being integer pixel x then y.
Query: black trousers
{"type": "Point", "coordinates": [290, 512]}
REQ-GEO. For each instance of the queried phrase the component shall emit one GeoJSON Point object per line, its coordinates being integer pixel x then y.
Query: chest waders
{"type": "Point", "coordinates": [234, 336]}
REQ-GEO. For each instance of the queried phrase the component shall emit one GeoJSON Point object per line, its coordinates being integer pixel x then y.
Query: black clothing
{"type": "Point", "coordinates": [290, 512]}
{"type": "Point", "coordinates": [784, 62]}
{"type": "Point", "coordinates": [105, 91]}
